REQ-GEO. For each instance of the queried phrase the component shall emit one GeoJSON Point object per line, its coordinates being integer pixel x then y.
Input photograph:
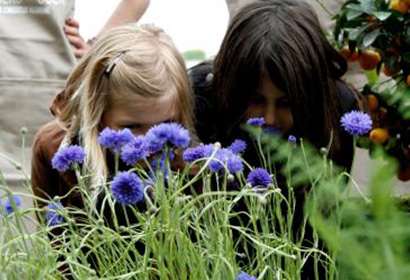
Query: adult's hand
{"type": "Point", "coordinates": [72, 32]}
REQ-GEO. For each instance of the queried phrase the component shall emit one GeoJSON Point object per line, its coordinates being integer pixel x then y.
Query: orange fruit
{"type": "Point", "coordinates": [399, 6]}
{"type": "Point", "coordinates": [348, 55]}
{"type": "Point", "coordinates": [355, 56]}
{"type": "Point", "coordinates": [379, 135]}
{"type": "Point", "coordinates": [345, 52]}
{"type": "Point", "coordinates": [389, 72]}
{"type": "Point", "coordinates": [408, 80]}
{"type": "Point", "coordinates": [373, 102]}
{"type": "Point", "coordinates": [368, 60]}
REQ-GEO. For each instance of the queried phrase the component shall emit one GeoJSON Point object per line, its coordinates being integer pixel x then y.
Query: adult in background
{"type": "Point", "coordinates": [36, 58]}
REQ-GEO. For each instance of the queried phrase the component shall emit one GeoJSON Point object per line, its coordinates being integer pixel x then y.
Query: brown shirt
{"type": "Point", "coordinates": [47, 182]}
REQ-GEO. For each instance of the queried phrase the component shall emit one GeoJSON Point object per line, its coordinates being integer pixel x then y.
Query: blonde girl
{"type": "Point", "coordinates": [133, 77]}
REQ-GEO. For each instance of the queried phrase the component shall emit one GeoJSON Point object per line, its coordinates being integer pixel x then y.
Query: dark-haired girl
{"type": "Point", "coordinates": [275, 62]}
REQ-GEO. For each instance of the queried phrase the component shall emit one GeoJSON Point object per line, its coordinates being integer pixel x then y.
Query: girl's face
{"type": "Point", "coordinates": [140, 113]}
{"type": "Point", "coordinates": [272, 104]}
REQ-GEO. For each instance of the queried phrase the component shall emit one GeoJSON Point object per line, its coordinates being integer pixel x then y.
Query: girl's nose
{"type": "Point", "coordinates": [270, 116]}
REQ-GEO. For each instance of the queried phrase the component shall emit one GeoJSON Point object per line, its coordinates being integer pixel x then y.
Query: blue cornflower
{"type": "Point", "coordinates": [292, 139]}
{"type": "Point", "coordinates": [238, 146]}
{"type": "Point", "coordinates": [115, 140]}
{"type": "Point", "coordinates": [52, 217]}
{"type": "Point", "coordinates": [259, 177]}
{"type": "Point", "coordinates": [356, 123]}
{"type": "Point", "coordinates": [67, 156]}
{"type": "Point", "coordinates": [134, 151]}
{"type": "Point", "coordinates": [256, 121]}
{"type": "Point", "coordinates": [226, 157]}
{"type": "Point", "coordinates": [8, 207]}
{"type": "Point", "coordinates": [245, 276]}
{"type": "Point", "coordinates": [202, 151]}
{"type": "Point", "coordinates": [164, 134]}
{"type": "Point", "coordinates": [127, 188]}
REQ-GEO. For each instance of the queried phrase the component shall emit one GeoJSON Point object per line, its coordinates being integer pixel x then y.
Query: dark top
{"type": "Point", "coordinates": [206, 111]}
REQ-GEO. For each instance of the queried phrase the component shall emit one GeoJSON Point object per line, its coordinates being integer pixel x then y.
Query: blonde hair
{"type": "Point", "coordinates": [150, 66]}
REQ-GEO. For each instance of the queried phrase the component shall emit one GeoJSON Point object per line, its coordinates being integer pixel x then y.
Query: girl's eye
{"type": "Point", "coordinates": [133, 126]}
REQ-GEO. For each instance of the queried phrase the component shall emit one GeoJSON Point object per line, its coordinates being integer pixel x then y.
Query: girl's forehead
{"type": "Point", "coordinates": [145, 109]}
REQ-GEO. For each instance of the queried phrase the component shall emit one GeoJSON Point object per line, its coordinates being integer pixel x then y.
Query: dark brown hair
{"type": "Point", "coordinates": [284, 39]}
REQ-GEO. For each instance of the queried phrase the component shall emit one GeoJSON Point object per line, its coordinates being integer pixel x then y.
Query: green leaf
{"type": "Point", "coordinates": [382, 16]}
{"type": "Point", "coordinates": [355, 7]}
{"type": "Point", "coordinates": [370, 38]}
{"type": "Point", "coordinates": [367, 6]}
{"type": "Point", "coordinates": [352, 14]}
{"type": "Point", "coordinates": [354, 33]}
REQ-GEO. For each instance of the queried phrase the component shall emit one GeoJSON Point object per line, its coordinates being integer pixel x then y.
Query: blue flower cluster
{"type": "Point", "coordinates": [134, 151]}
{"type": "Point", "coordinates": [256, 121]}
{"type": "Point", "coordinates": [245, 276]}
{"type": "Point", "coordinates": [223, 157]}
{"type": "Point", "coordinates": [67, 156]}
{"type": "Point", "coordinates": [202, 151]}
{"type": "Point", "coordinates": [53, 218]}
{"type": "Point", "coordinates": [8, 206]}
{"type": "Point", "coordinates": [238, 146]}
{"type": "Point", "coordinates": [259, 177]}
{"type": "Point", "coordinates": [356, 122]}
{"type": "Point", "coordinates": [115, 140]}
{"type": "Point", "coordinates": [127, 188]}
{"type": "Point", "coordinates": [292, 139]}
{"type": "Point", "coordinates": [226, 157]}
{"type": "Point", "coordinates": [171, 134]}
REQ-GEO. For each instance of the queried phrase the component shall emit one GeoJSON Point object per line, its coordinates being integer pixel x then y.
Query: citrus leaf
{"type": "Point", "coordinates": [352, 14]}
{"type": "Point", "coordinates": [370, 38]}
{"type": "Point", "coordinates": [354, 33]}
{"type": "Point", "coordinates": [382, 16]}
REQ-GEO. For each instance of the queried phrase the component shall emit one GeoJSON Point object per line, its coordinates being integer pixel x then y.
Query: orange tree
{"type": "Point", "coordinates": [377, 34]}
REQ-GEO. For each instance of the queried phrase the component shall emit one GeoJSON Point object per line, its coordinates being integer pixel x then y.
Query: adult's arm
{"type": "Point", "coordinates": [127, 11]}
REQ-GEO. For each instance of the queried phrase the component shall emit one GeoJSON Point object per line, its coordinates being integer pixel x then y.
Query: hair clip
{"type": "Point", "coordinates": [113, 63]}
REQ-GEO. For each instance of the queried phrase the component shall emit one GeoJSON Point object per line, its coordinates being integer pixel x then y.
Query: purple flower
{"type": "Point", "coordinates": [193, 154]}
{"type": "Point", "coordinates": [134, 151]}
{"type": "Point", "coordinates": [292, 139]}
{"type": "Point", "coordinates": [259, 177]}
{"type": "Point", "coordinates": [172, 134]}
{"type": "Point", "coordinates": [67, 156]}
{"type": "Point", "coordinates": [127, 188]}
{"type": "Point", "coordinates": [115, 140]}
{"type": "Point", "coordinates": [245, 276]}
{"type": "Point", "coordinates": [226, 157]}
{"type": "Point", "coordinates": [256, 121]}
{"type": "Point", "coordinates": [238, 146]}
{"type": "Point", "coordinates": [356, 123]}
{"type": "Point", "coordinates": [52, 217]}
{"type": "Point", "coordinates": [8, 205]}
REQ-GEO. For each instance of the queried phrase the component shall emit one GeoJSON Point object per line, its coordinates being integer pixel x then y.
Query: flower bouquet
{"type": "Point", "coordinates": [376, 35]}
